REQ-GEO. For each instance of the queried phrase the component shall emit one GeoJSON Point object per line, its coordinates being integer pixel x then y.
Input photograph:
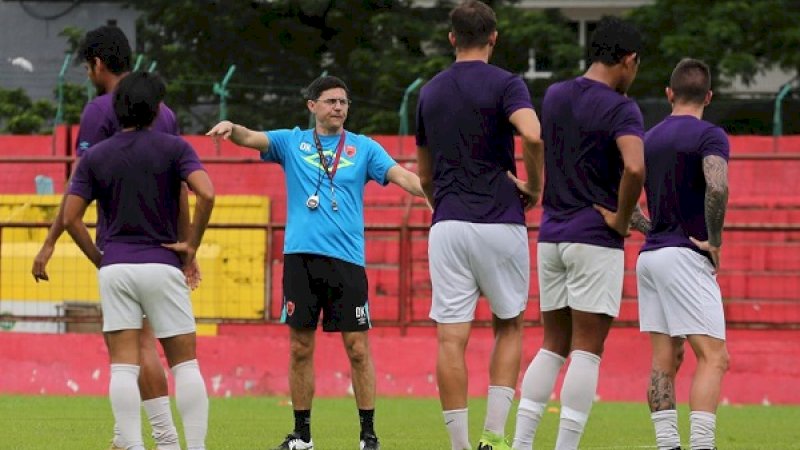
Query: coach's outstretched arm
{"type": "Point", "coordinates": [240, 135]}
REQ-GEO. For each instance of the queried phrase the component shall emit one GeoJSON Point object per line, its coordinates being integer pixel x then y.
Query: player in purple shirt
{"type": "Point", "coordinates": [478, 244]}
{"type": "Point", "coordinates": [679, 297]}
{"type": "Point", "coordinates": [594, 170]}
{"type": "Point", "coordinates": [135, 176]}
{"type": "Point", "coordinates": [107, 55]}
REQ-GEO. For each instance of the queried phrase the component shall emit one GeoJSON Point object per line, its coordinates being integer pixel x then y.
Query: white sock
{"type": "Point", "coordinates": [457, 424]}
{"type": "Point", "coordinates": [117, 439]}
{"type": "Point", "coordinates": [666, 426]}
{"type": "Point", "coordinates": [160, 415]}
{"type": "Point", "coordinates": [123, 390]}
{"type": "Point", "coordinates": [192, 399]}
{"type": "Point", "coordinates": [499, 402]}
{"type": "Point", "coordinates": [537, 385]}
{"type": "Point", "coordinates": [529, 414]}
{"type": "Point", "coordinates": [703, 425]}
{"type": "Point", "coordinates": [577, 395]}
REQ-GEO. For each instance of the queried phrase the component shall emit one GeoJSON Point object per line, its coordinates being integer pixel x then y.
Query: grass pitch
{"type": "Point", "coordinates": [244, 423]}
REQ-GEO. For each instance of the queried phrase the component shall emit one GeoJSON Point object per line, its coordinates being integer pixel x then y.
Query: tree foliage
{"type": "Point", "coordinates": [735, 37]}
{"type": "Point", "coordinates": [278, 47]}
{"type": "Point", "coordinates": [379, 47]}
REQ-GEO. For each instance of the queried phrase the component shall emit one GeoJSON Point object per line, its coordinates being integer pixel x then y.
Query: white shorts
{"type": "Point", "coordinates": [158, 290]}
{"type": "Point", "coordinates": [679, 294]}
{"type": "Point", "coordinates": [469, 259]}
{"type": "Point", "coordinates": [583, 277]}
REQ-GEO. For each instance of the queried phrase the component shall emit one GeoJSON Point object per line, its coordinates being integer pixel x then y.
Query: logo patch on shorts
{"type": "Point", "coordinates": [361, 315]}
{"type": "Point", "coordinates": [289, 308]}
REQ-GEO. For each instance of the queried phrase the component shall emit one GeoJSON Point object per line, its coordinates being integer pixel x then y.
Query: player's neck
{"type": "Point", "coordinates": [322, 131]}
{"type": "Point", "coordinates": [602, 74]}
{"type": "Point", "coordinates": [112, 81]}
{"type": "Point", "coordinates": [688, 109]}
{"type": "Point", "coordinates": [473, 54]}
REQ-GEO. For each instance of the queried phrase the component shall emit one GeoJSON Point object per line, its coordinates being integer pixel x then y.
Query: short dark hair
{"type": "Point", "coordinates": [690, 81]}
{"type": "Point", "coordinates": [612, 40]}
{"type": "Point", "coordinates": [472, 22]}
{"type": "Point", "coordinates": [322, 84]}
{"type": "Point", "coordinates": [137, 99]}
{"type": "Point", "coordinates": [109, 44]}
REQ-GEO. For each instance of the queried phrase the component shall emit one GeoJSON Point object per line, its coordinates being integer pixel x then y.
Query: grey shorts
{"type": "Point", "coordinates": [158, 290]}
{"type": "Point", "coordinates": [679, 294]}
{"type": "Point", "coordinates": [583, 277]}
{"type": "Point", "coordinates": [469, 259]}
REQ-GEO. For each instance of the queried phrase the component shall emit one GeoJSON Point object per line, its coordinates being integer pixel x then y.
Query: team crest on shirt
{"type": "Point", "coordinates": [350, 151]}
{"type": "Point", "coordinates": [289, 308]}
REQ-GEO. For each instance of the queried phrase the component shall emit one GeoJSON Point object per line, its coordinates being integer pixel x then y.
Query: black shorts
{"type": "Point", "coordinates": [314, 283]}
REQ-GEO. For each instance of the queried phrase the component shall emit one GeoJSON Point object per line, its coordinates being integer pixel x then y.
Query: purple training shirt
{"type": "Point", "coordinates": [675, 184]}
{"type": "Point", "coordinates": [581, 120]}
{"type": "Point", "coordinates": [98, 123]}
{"type": "Point", "coordinates": [462, 118]}
{"type": "Point", "coordinates": [135, 176]}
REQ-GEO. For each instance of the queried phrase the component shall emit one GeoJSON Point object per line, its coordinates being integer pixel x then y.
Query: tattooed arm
{"type": "Point", "coordinates": [715, 169]}
{"type": "Point", "coordinates": [640, 222]}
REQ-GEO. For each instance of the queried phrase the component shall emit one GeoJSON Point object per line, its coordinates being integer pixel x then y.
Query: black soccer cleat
{"type": "Point", "coordinates": [293, 441]}
{"type": "Point", "coordinates": [369, 442]}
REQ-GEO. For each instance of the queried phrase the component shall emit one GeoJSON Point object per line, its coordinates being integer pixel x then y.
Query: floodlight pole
{"type": "Point", "coordinates": [221, 89]}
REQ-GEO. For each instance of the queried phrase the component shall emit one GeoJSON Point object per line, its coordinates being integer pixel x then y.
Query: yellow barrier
{"type": "Point", "coordinates": [231, 260]}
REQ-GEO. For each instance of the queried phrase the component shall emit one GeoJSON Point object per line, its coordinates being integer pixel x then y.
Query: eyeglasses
{"type": "Point", "coordinates": [334, 101]}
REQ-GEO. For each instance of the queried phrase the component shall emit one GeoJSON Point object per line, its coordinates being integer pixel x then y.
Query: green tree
{"type": "Point", "coordinates": [278, 47]}
{"type": "Point", "coordinates": [735, 37]}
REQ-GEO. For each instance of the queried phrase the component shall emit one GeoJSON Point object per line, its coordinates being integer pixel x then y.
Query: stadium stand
{"type": "Point", "coordinates": [242, 262]}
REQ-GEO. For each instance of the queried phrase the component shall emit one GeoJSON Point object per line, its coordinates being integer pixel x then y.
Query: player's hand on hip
{"type": "Point", "coordinates": [39, 270]}
{"type": "Point", "coordinates": [222, 129]}
{"type": "Point", "coordinates": [614, 221]}
{"type": "Point", "coordinates": [185, 252]}
{"type": "Point", "coordinates": [713, 251]}
{"type": "Point", "coordinates": [530, 196]}
{"type": "Point", "coordinates": [193, 275]}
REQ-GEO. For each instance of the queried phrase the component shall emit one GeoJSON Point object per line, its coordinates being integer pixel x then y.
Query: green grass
{"type": "Point", "coordinates": [244, 423]}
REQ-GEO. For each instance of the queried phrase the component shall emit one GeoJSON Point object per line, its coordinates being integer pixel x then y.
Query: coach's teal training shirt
{"type": "Point", "coordinates": [323, 231]}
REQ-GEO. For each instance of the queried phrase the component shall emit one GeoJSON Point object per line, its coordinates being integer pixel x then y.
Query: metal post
{"type": "Point", "coordinates": [777, 117]}
{"type": "Point", "coordinates": [221, 90]}
{"type": "Point", "coordinates": [90, 90]}
{"type": "Point", "coordinates": [403, 112]}
{"type": "Point", "coordinates": [311, 120]}
{"type": "Point", "coordinates": [137, 63]}
{"type": "Point", "coordinates": [60, 109]}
